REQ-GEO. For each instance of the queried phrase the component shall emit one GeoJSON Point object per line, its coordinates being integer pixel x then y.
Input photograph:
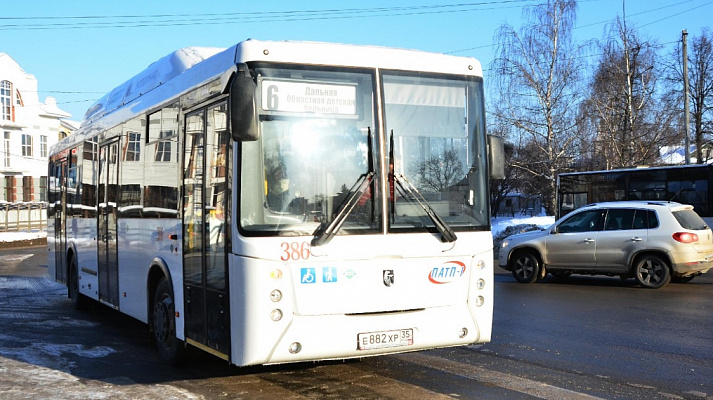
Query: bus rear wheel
{"type": "Point", "coordinates": [79, 300]}
{"type": "Point", "coordinates": [170, 348]}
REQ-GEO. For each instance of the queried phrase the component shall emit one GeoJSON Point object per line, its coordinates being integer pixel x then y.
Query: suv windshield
{"type": "Point", "coordinates": [317, 134]}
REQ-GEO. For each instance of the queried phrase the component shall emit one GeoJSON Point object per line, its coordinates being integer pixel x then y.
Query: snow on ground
{"type": "Point", "coordinates": [18, 236]}
{"type": "Point", "coordinates": [500, 223]}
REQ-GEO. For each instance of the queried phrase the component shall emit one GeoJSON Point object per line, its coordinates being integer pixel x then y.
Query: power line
{"type": "Point", "coordinates": [162, 20]}
{"type": "Point", "coordinates": [675, 15]}
{"type": "Point", "coordinates": [614, 19]}
{"type": "Point", "coordinates": [646, 12]}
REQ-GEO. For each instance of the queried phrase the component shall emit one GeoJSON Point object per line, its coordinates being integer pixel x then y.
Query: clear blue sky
{"type": "Point", "coordinates": [79, 50]}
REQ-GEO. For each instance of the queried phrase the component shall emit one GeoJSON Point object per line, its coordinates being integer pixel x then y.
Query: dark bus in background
{"type": "Point", "coordinates": [688, 184]}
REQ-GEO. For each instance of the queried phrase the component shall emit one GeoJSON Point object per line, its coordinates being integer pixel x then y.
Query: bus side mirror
{"type": "Point", "coordinates": [496, 157]}
{"type": "Point", "coordinates": [243, 111]}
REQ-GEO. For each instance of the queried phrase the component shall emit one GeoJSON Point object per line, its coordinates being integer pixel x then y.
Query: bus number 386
{"type": "Point", "coordinates": [294, 251]}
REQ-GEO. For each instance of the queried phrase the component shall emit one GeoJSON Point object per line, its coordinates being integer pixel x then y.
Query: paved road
{"type": "Point", "coordinates": [581, 338]}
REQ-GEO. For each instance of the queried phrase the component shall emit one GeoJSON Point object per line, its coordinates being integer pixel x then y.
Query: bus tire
{"type": "Point", "coordinates": [79, 301]}
{"type": "Point", "coordinates": [170, 348]}
{"type": "Point", "coordinates": [525, 266]}
{"type": "Point", "coordinates": [651, 271]}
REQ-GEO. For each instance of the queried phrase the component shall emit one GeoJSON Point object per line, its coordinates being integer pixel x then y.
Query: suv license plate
{"type": "Point", "coordinates": [384, 339]}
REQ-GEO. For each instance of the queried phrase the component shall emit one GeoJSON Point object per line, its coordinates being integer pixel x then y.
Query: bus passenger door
{"type": "Point", "coordinates": [108, 262]}
{"type": "Point", "coordinates": [60, 228]}
{"type": "Point", "coordinates": [204, 261]}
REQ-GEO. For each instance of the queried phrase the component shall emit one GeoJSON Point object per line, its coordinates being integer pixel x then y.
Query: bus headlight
{"type": "Point", "coordinates": [295, 348]}
{"type": "Point", "coordinates": [276, 315]}
{"type": "Point", "coordinates": [479, 301]}
{"type": "Point", "coordinates": [480, 264]}
{"type": "Point", "coordinates": [275, 295]}
{"type": "Point", "coordinates": [481, 284]}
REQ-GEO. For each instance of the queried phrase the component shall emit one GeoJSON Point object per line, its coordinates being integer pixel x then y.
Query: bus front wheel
{"type": "Point", "coordinates": [170, 348]}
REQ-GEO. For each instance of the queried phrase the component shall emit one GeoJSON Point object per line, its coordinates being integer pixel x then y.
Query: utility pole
{"type": "Point", "coordinates": [686, 117]}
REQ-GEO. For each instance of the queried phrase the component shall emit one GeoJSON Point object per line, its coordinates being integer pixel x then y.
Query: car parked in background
{"type": "Point", "coordinates": [653, 242]}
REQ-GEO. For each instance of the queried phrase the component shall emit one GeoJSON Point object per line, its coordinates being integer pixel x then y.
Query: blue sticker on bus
{"type": "Point", "coordinates": [329, 274]}
{"type": "Point", "coordinates": [308, 275]}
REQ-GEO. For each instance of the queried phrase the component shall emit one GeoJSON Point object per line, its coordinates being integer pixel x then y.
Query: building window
{"type": "Point", "coordinates": [6, 100]}
{"type": "Point", "coordinates": [27, 189]}
{"type": "Point", "coordinates": [43, 146]}
{"type": "Point", "coordinates": [133, 147]}
{"type": "Point", "coordinates": [163, 147]}
{"type": "Point", "coordinates": [10, 189]}
{"type": "Point", "coordinates": [89, 153]}
{"type": "Point", "coordinates": [18, 99]}
{"type": "Point", "coordinates": [26, 145]}
{"type": "Point", "coordinates": [43, 188]}
{"type": "Point", "coordinates": [6, 150]}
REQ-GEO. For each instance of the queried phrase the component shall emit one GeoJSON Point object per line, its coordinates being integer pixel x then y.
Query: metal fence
{"type": "Point", "coordinates": [16, 217]}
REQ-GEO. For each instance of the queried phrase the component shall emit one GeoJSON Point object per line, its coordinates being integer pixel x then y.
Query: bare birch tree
{"type": "Point", "coordinates": [631, 122]}
{"type": "Point", "coordinates": [537, 76]}
{"type": "Point", "coordinates": [700, 88]}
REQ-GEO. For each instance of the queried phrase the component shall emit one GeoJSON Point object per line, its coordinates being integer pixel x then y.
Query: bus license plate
{"type": "Point", "coordinates": [385, 339]}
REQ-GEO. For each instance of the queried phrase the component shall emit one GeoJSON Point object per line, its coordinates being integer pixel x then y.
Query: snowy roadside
{"type": "Point", "coordinates": [22, 239]}
{"type": "Point", "coordinates": [499, 224]}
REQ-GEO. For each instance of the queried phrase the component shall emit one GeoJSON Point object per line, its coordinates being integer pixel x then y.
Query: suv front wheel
{"type": "Point", "coordinates": [651, 271]}
{"type": "Point", "coordinates": [525, 266]}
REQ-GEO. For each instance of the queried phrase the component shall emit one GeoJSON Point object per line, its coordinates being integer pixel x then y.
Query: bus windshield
{"type": "Point", "coordinates": [437, 148]}
{"type": "Point", "coordinates": [317, 135]}
{"type": "Point", "coordinates": [317, 165]}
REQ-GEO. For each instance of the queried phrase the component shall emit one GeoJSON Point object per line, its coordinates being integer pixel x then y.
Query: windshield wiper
{"type": "Point", "coordinates": [407, 188]}
{"type": "Point", "coordinates": [325, 232]}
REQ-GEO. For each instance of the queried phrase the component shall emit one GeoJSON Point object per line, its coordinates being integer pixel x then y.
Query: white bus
{"type": "Point", "coordinates": [277, 202]}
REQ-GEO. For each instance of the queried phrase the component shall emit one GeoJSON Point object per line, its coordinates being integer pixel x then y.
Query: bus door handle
{"type": "Point", "coordinates": [588, 240]}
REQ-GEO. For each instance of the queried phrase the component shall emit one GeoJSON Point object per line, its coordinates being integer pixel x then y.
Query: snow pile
{"type": "Point", "coordinates": [20, 236]}
{"type": "Point", "coordinates": [503, 227]}
{"type": "Point", "coordinates": [499, 224]}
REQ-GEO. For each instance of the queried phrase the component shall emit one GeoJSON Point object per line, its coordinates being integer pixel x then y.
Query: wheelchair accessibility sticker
{"type": "Point", "coordinates": [308, 275]}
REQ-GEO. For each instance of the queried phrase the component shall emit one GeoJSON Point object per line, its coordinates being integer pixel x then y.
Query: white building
{"type": "Point", "coordinates": [28, 128]}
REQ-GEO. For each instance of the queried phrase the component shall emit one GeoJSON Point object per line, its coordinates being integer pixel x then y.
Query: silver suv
{"type": "Point", "coordinates": [653, 242]}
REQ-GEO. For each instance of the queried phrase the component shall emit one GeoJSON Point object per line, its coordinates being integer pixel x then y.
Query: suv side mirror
{"type": "Point", "coordinates": [243, 111]}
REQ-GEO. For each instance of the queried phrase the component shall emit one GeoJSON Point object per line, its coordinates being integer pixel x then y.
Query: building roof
{"type": "Point", "coordinates": [50, 109]}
